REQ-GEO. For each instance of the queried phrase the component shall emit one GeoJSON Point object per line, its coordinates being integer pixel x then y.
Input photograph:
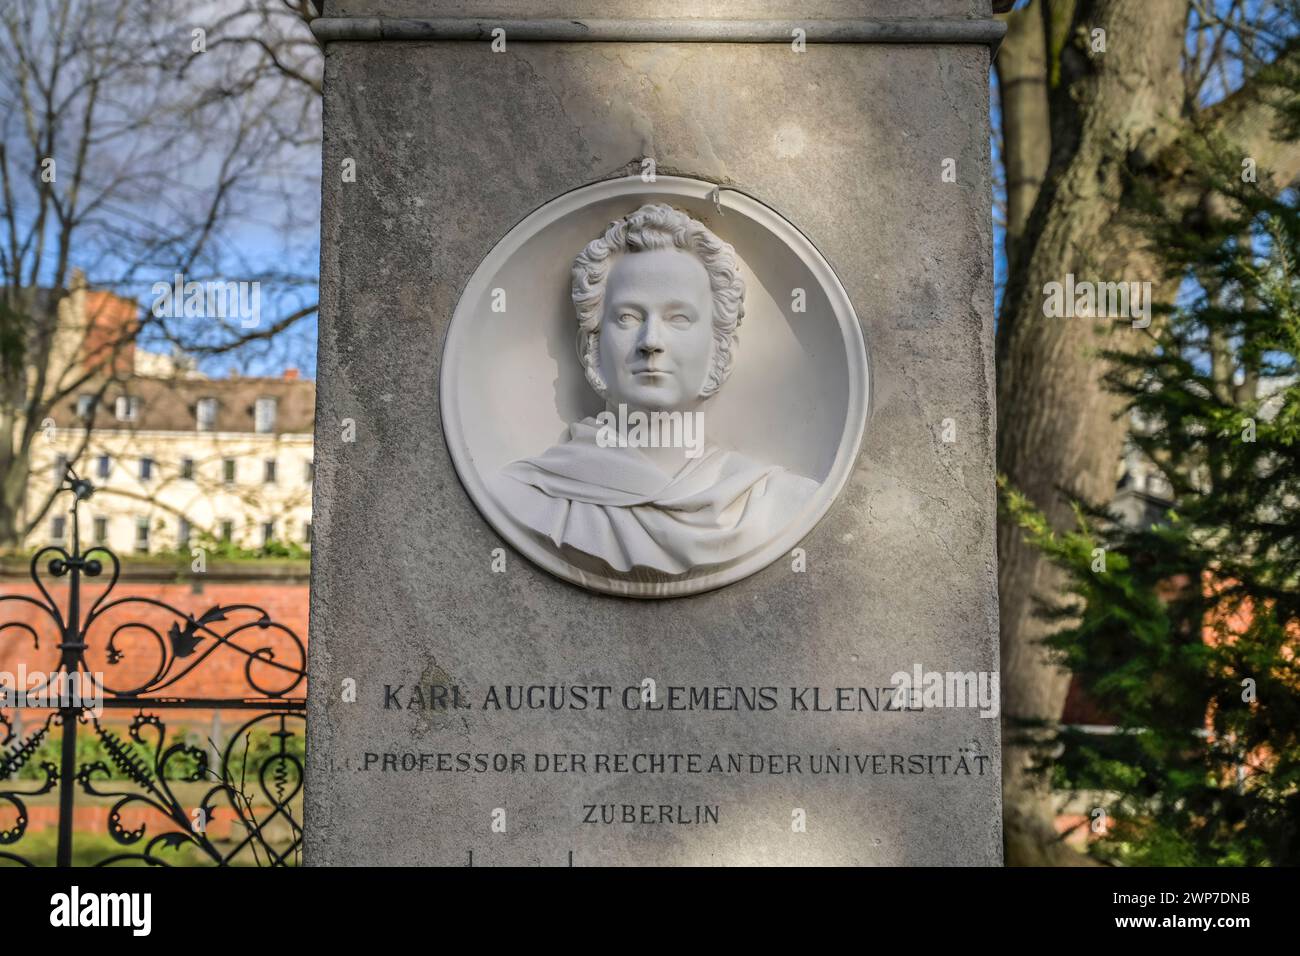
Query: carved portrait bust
{"type": "Point", "coordinates": [657, 459]}
{"type": "Point", "coordinates": [641, 489]}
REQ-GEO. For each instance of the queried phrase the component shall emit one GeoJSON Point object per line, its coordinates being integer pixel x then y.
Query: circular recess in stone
{"type": "Point", "coordinates": [611, 419]}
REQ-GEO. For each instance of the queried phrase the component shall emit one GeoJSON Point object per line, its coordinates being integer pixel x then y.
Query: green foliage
{"type": "Point", "coordinates": [88, 751]}
{"type": "Point", "coordinates": [251, 751]}
{"type": "Point", "coordinates": [221, 549]}
{"type": "Point", "coordinates": [1186, 632]}
{"type": "Point", "coordinates": [92, 848]}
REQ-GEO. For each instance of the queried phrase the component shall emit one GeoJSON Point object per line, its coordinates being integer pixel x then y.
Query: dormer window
{"type": "Point", "coordinates": [264, 416]}
{"type": "Point", "coordinates": [127, 408]}
{"type": "Point", "coordinates": [205, 414]}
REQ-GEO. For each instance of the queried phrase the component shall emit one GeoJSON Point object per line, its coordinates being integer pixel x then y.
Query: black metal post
{"type": "Point", "coordinates": [67, 771]}
{"type": "Point", "coordinates": [73, 648]}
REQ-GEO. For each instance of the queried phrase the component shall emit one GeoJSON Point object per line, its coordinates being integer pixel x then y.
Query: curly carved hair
{"type": "Point", "coordinates": [658, 226]}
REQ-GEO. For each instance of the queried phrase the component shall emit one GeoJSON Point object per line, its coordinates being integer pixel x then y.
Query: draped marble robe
{"type": "Point", "coordinates": [615, 505]}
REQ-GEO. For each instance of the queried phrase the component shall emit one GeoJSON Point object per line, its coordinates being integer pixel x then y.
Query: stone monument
{"type": "Point", "coordinates": [654, 506]}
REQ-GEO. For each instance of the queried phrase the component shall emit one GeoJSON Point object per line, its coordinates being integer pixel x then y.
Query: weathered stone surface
{"type": "Point", "coordinates": [714, 9]}
{"type": "Point", "coordinates": [453, 145]}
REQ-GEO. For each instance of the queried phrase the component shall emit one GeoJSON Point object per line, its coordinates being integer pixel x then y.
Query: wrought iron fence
{"type": "Point", "coordinates": [142, 654]}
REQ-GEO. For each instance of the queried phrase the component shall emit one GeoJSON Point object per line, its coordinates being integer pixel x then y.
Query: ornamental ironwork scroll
{"type": "Point", "coordinates": [89, 657]}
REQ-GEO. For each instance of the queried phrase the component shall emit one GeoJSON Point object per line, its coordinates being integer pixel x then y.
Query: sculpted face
{"type": "Point", "coordinates": [656, 333]}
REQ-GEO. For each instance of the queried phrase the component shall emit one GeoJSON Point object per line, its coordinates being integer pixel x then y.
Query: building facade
{"type": "Point", "coordinates": [178, 459]}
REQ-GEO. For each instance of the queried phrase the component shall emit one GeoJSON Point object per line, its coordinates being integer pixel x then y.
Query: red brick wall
{"type": "Point", "coordinates": [219, 675]}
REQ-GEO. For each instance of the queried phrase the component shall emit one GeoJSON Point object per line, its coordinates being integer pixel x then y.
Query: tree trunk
{"type": "Point", "coordinates": [1022, 95]}
{"type": "Point", "coordinates": [1057, 430]}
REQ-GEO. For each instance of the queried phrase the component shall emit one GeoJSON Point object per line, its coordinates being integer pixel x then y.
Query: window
{"type": "Point", "coordinates": [264, 416]}
{"type": "Point", "coordinates": [103, 466]}
{"type": "Point", "coordinates": [183, 532]}
{"type": "Point", "coordinates": [58, 528]}
{"type": "Point", "coordinates": [268, 532]}
{"type": "Point", "coordinates": [187, 469]}
{"type": "Point", "coordinates": [101, 531]}
{"type": "Point", "coordinates": [142, 534]}
{"type": "Point", "coordinates": [306, 533]}
{"type": "Point", "coordinates": [60, 468]}
{"type": "Point", "coordinates": [268, 471]}
{"type": "Point", "coordinates": [205, 414]}
{"type": "Point", "coordinates": [146, 469]}
{"type": "Point", "coordinates": [228, 470]}
{"type": "Point", "coordinates": [309, 472]}
{"type": "Point", "coordinates": [85, 406]}
{"type": "Point", "coordinates": [127, 408]}
{"type": "Point", "coordinates": [227, 530]}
